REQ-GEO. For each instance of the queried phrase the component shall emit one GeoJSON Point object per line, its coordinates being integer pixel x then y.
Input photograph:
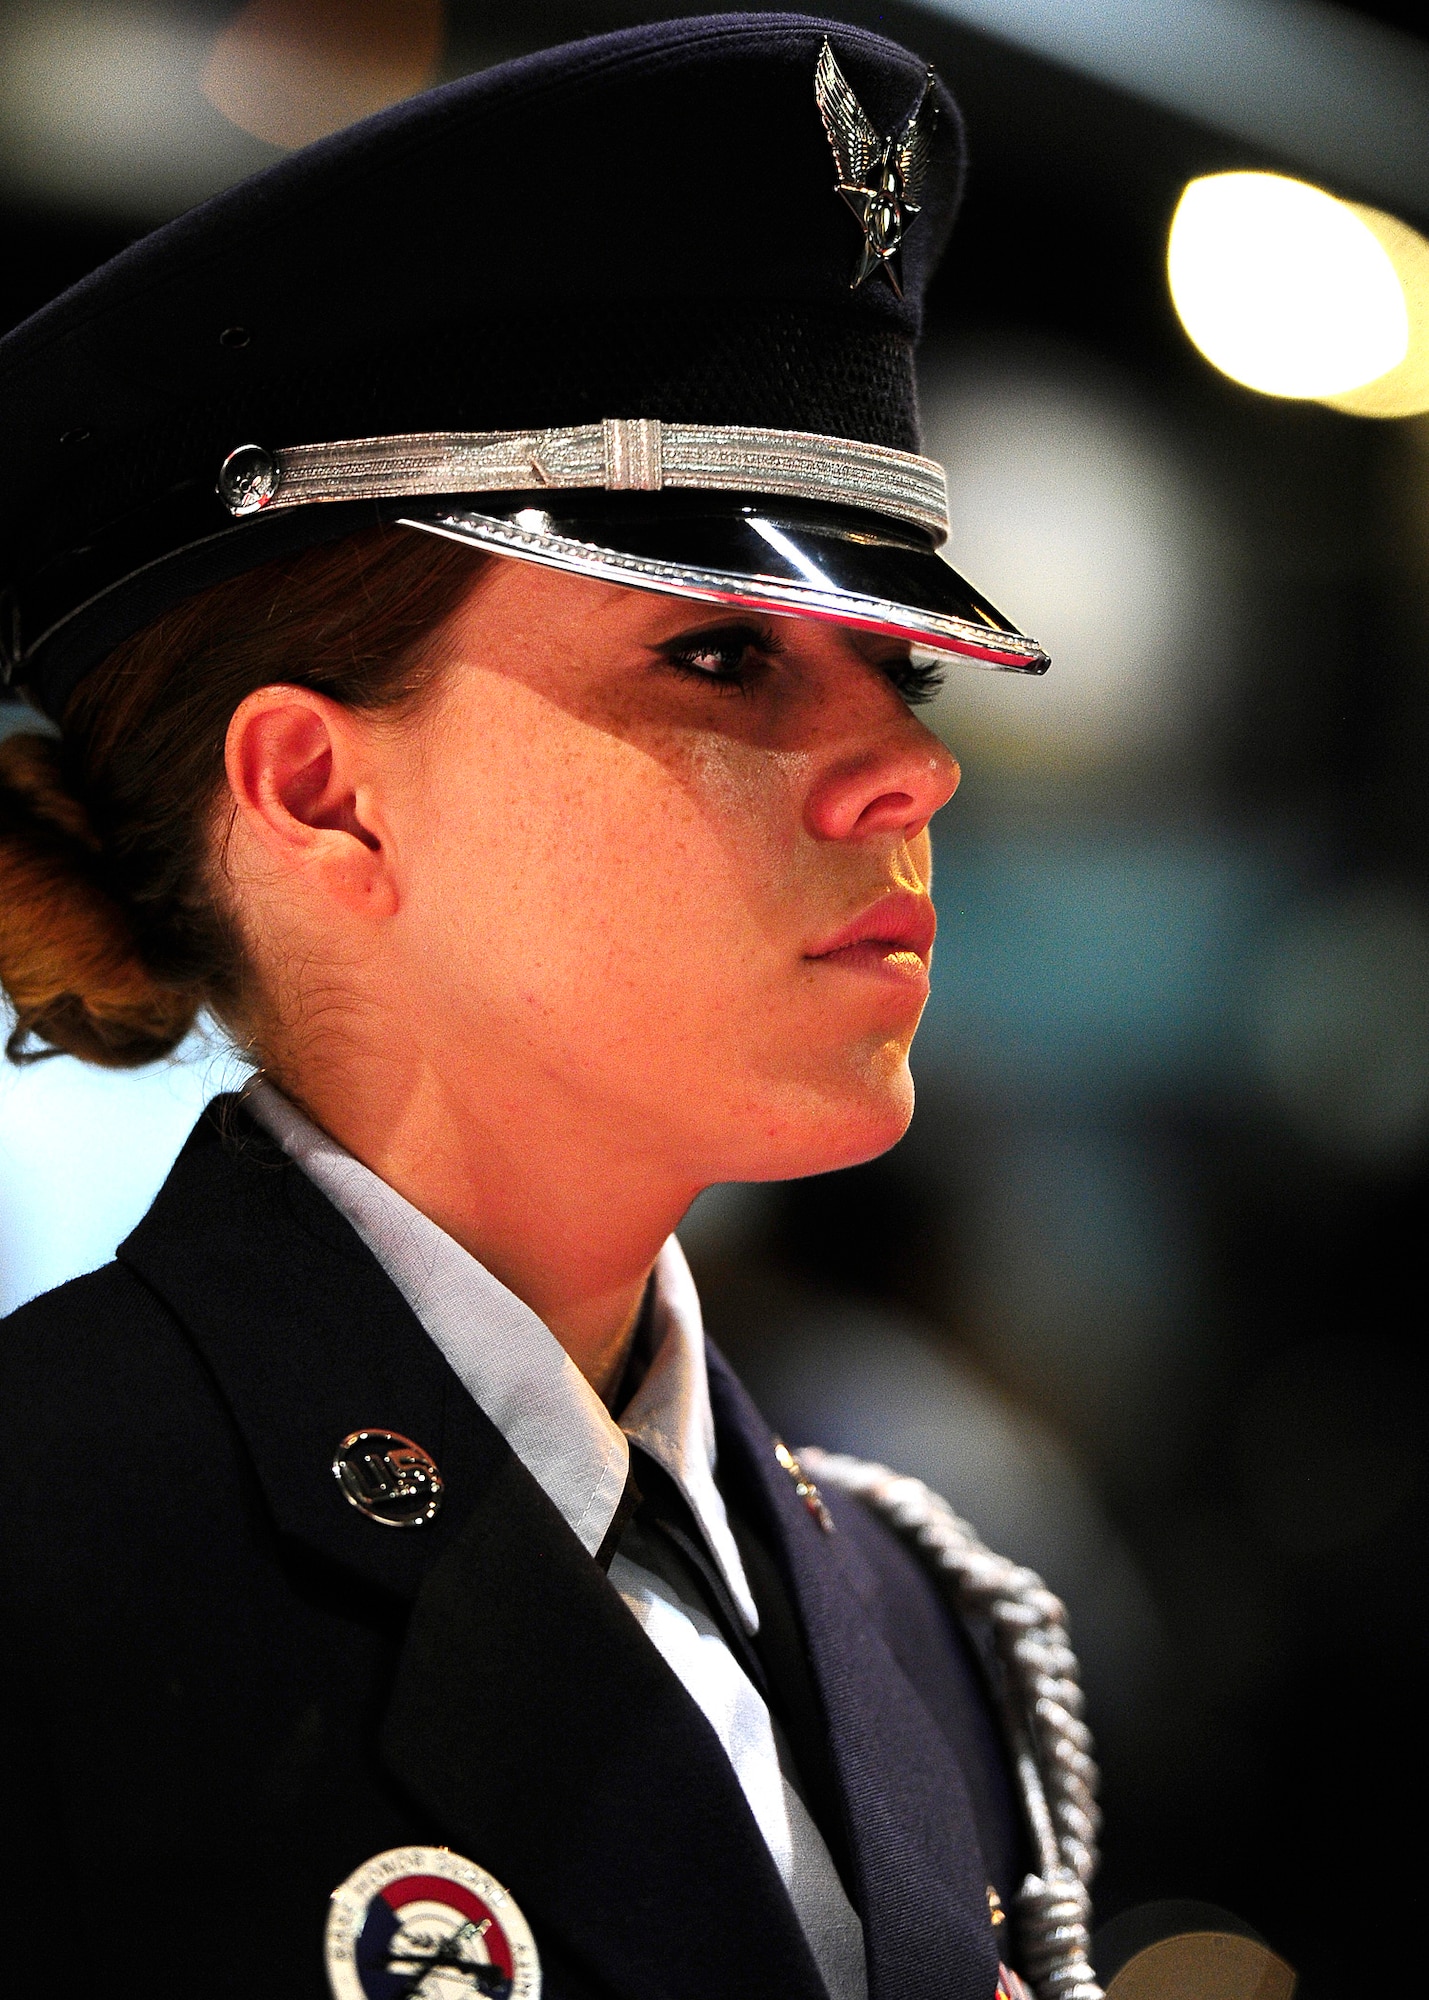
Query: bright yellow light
{"type": "Point", "coordinates": [1404, 391]}
{"type": "Point", "coordinates": [1284, 288]}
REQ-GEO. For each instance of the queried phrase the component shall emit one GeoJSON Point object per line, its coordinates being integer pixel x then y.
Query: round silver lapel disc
{"type": "Point", "coordinates": [422, 1920]}
{"type": "Point", "coordinates": [388, 1478]}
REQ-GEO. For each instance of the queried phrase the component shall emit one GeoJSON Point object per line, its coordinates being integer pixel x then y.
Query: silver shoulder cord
{"type": "Point", "coordinates": [1042, 1701]}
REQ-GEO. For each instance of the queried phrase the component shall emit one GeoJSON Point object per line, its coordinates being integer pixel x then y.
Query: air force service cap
{"type": "Point", "coordinates": [643, 307]}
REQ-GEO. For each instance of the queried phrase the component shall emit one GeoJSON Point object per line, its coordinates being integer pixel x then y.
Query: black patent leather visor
{"type": "Point", "coordinates": [810, 561]}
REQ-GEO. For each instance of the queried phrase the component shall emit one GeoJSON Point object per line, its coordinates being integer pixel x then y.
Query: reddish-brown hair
{"type": "Point", "coordinates": [112, 937]}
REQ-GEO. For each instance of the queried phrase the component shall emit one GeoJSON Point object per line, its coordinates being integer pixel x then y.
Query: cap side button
{"type": "Point", "coordinates": [248, 479]}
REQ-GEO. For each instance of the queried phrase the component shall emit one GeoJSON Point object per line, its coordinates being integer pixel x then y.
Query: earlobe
{"type": "Point", "coordinates": [296, 773]}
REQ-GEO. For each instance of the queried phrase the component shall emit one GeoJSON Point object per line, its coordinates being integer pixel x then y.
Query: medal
{"type": "Point", "coordinates": [425, 1920]}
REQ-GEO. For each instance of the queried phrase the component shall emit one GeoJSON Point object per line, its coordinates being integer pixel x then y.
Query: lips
{"type": "Point", "coordinates": [898, 927]}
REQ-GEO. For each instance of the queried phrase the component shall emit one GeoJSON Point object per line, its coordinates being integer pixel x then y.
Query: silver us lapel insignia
{"type": "Point", "coordinates": [425, 1920]}
{"type": "Point", "coordinates": [879, 178]}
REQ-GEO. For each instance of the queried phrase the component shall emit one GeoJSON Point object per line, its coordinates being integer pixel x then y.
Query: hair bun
{"type": "Point", "coordinates": [69, 959]}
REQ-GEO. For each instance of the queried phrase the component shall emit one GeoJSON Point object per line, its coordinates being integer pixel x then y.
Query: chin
{"type": "Point", "coordinates": [870, 1132]}
{"type": "Point", "coordinates": [838, 1123]}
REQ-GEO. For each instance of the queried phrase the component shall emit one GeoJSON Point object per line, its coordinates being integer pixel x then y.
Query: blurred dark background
{"type": "Point", "coordinates": [1141, 1291]}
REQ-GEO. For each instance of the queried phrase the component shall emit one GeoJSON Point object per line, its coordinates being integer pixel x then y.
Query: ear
{"type": "Point", "coordinates": [306, 785]}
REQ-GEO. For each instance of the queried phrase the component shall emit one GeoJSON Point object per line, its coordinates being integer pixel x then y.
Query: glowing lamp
{"type": "Point", "coordinates": [1404, 391]}
{"type": "Point", "coordinates": [1284, 288]}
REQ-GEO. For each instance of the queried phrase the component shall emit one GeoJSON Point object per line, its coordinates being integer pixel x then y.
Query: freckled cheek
{"type": "Point", "coordinates": [708, 832]}
{"type": "Point", "coordinates": [589, 847]}
{"type": "Point", "coordinates": [747, 800]}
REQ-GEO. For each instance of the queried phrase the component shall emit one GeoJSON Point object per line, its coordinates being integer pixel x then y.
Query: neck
{"type": "Point", "coordinates": [567, 1220]}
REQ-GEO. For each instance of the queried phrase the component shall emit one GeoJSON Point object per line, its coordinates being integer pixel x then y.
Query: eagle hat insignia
{"type": "Point", "coordinates": [426, 1920]}
{"type": "Point", "coordinates": [879, 178]}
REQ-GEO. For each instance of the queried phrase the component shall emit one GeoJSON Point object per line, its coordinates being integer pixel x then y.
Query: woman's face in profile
{"type": "Point", "coordinates": [674, 861]}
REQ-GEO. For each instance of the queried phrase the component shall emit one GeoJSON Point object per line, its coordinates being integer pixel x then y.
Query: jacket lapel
{"type": "Point", "coordinates": [530, 1715]}
{"type": "Point", "coordinates": [535, 1719]}
{"type": "Point", "coordinates": [920, 1875]}
{"type": "Point", "coordinates": [308, 1341]}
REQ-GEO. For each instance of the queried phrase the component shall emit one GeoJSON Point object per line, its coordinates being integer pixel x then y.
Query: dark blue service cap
{"type": "Point", "coordinates": [643, 307]}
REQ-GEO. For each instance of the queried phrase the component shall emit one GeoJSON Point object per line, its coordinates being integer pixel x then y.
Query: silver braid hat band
{"type": "Point", "coordinates": [1051, 1744]}
{"type": "Point", "coordinates": [621, 454]}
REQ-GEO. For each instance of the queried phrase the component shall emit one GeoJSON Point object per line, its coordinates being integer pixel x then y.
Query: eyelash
{"type": "Point", "coordinates": [917, 681]}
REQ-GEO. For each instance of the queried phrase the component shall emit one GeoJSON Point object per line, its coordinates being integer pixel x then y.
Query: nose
{"type": "Point", "coordinates": [892, 788]}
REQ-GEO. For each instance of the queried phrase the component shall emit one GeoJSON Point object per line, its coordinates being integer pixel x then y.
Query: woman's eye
{"type": "Point", "coordinates": [730, 657]}
{"type": "Point", "coordinates": [709, 658]}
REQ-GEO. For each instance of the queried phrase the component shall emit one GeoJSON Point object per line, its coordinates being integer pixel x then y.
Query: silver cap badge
{"type": "Point", "coordinates": [879, 178]}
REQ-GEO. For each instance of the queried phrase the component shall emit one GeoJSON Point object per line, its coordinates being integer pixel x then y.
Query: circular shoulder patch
{"type": "Point", "coordinates": [425, 1920]}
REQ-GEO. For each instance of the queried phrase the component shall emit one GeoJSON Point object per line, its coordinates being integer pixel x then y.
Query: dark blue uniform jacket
{"type": "Point", "coordinates": [224, 1688]}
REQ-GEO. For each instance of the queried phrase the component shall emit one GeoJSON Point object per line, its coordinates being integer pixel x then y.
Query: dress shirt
{"type": "Point", "coordinates": [513, 1366]}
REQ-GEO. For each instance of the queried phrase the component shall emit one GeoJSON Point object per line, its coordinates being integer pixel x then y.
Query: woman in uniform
{"type": "Point", "coordinates": [473, 572]}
